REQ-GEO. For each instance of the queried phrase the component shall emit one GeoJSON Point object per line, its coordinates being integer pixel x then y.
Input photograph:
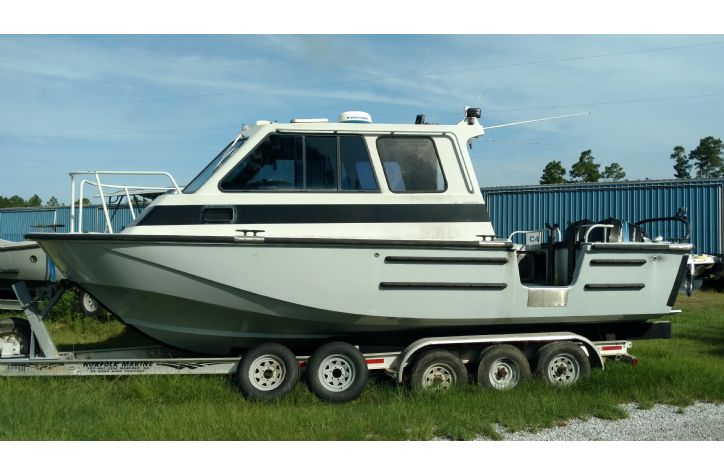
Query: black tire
{"type": "Point", "coordinates": [89, 305]}
{"type": "Point", "coordinates": [337, 372]}
{"type": "Point", "coordinates": [562, 364]}
{"type": "Point", "coordinates": [437, 370]}
{"type": "Point", "coordinates": [19, 330]}
{"type": "Point", "coordinates": [502, 367]}
{"type": "Point", "coordinates": [267, 372]}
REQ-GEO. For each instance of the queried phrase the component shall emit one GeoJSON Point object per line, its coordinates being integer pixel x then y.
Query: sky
{"type": "Point", "coordinates": [171, 102]}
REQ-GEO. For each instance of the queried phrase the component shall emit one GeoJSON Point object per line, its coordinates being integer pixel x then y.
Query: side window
{"type": "Point", "coordinates": [356, 170]}
{"type": "Point", "coordinates": [321, 162]}
{"type": "Point", "coordinates": [277, 164]}
{"type": "Point", "coordinates": [311, 162]}
{"type": "Point", "coordinates": [411, 164]}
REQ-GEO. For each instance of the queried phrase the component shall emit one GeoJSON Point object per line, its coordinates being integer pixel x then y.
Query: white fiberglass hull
{"type": "Point", "coordinates": [218, 296]}
{"type": "Point", "coordinates": [23, 261]}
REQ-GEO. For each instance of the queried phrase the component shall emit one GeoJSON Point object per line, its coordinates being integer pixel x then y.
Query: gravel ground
{"type": "Point", "coordinates": [698, 422]}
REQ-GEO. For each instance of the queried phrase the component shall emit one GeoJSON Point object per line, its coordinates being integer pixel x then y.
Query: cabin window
{"type": "Point", "coordinates": [277, 164]}
{"type": "Point", "coordinates": [320, 164]}
{"type": "Point", "coordinates": [355, 167]}
{"type": "Point", "coordinates": [411, 164]}
{"type": "Point", "coordinates": [312, 163]}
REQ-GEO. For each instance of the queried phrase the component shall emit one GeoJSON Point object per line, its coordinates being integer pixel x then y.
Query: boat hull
{"type": "Point", "coordinates": [219, 297]}
{"type": "Point", "coordinates": [24, 261]}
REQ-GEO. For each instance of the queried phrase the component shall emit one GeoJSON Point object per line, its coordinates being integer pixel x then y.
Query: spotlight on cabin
{"type": "Point", "coordinates": [472, 112]}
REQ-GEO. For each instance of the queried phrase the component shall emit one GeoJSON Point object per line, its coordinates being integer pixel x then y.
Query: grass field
{"type": "Point", "coordinates": [678, 371]}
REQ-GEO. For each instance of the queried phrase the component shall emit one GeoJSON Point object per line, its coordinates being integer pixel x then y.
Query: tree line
{"type": "Point", "coordinates": [17, 201]}
{"type": "Point", "coordinates": [585, 170]}
{"type": "Point", "coordinates": [35, 201]}
{"type": "Point", "coordinates": [706, 159]}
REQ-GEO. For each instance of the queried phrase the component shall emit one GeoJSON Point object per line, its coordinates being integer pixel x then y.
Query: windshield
{"type": "Point", "coordinates": [209, 170]}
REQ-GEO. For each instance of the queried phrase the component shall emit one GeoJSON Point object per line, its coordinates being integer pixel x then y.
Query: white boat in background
{"type": "Point", "coordinates": [311, 231]}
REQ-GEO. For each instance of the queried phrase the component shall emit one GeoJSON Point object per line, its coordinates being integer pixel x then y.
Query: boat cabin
{"type": "Point", "coordinates": [346, 179]}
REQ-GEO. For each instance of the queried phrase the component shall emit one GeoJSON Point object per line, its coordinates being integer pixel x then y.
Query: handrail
{"type": "Point", "coordinates": [681, 219]}
{"type": "Point", "coordinates": [125, 188]}
{"type": "Point", "coordinates": [593, 227]}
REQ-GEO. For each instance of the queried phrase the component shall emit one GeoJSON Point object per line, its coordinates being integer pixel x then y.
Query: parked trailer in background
{"type": "Point", "coordinates": [530, 207]}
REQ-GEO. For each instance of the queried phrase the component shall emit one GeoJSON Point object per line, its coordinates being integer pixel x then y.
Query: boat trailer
{"type": "Point", "coordinates": [340, 374]}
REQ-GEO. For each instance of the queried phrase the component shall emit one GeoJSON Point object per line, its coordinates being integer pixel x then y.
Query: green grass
{"type": "Point", "coordinates": [679, 371]}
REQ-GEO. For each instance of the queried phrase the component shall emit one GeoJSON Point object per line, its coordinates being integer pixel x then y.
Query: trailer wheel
{"type": "Point", "coordinates": [437, 370]}
{"type": "Point", "coordinates": [502, 367]}
{"type": "Point", "coordinates": [89, 305]}
{"type": "Point", "coordinates": [15, 334]}
{"type": "Point", "coordinates": [267, 372]}
{"type": "Point", "coordinates": [337, 372]}
{"type": "Point", "coordinates": [562, 363]}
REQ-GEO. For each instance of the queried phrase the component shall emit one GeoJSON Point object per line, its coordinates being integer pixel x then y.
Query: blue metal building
{"type": "Point", "coordinates": [17, 222]}
{"type": "Point", "coordinates": [531, 207]}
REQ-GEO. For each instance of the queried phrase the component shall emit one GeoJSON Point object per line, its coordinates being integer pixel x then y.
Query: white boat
{"type": "Point", "coordinates": [23, 261]}
{"type": "Point", "coordinates": [311, 230]}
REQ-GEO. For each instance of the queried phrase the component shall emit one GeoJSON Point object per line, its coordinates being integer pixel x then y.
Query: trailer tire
{"type": "Point", "coordinates": [267, 372]}
{"type": "Point", "coordinates": [562, 364]}
{"type": "Point", "coordinates": [437, 370]}
{"type": "Point", "coordinates": [89, 305]}
{"type": "Point", "coordinates": [502, 367]}
{"type": "Point", "coordinates": [17, 329]}
{"type": "Point", "coordinates": [337, 372]}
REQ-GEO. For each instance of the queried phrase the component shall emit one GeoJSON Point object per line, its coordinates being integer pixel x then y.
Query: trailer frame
{"type": "Point", "coordinates": [46, 360]}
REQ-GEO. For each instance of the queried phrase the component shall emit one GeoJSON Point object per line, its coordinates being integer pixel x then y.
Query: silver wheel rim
{"type": "Point", "coordinates": [89, 303]}
{"type": "Point", "coordinates": [267, 372]}
{"type": "Point", "coordinates": [504, 373]}
{"type": "Point", "coordinates": [336, 373]}
{"type": "Point", "coordinates": [563, 369]}
{"type": "Point", "coordinates": [438, 376]}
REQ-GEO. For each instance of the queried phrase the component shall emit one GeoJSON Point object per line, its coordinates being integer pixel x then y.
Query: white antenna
{"type": "Point", "coordinates": [537, 120]}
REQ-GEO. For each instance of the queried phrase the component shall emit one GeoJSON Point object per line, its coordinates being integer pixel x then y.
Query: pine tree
{"type": "Point", "coordinates": [52, 202]}
{"type": "Point", "coordinates": [586, 169]}
{"type": "Point", "coordinates": [35, 201]}
{"type": "Point", "coordinates": [553, 172]}
{"type": "Point", "coordinates": [682, 167]}
{"type": "Point", "coordinates": [613, 172]}
{"type": "Point", "coordinates": [707, 158]}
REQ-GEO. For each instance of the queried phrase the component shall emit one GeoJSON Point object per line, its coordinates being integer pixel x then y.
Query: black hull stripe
{"type": "Point", "coordinates": [443, 260]}
{"type": "Point", "coordinates": [614, 287]}
{"type": "Point", "coordinates": [618, 262]}
{"type": "Point", "coordinates": [433, 286]}
{"type": "Point", "coordinates": [297, 214]}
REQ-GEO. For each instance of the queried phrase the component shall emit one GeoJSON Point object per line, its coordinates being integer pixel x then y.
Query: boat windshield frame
{"type": "Point", "coordinates": [208, 171]}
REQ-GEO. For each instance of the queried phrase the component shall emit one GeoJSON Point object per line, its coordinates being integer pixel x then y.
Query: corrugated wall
{"type": "Point", "coordinates": [529, 208]}
{"type": "Point", "coordinates": [17, 222]}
